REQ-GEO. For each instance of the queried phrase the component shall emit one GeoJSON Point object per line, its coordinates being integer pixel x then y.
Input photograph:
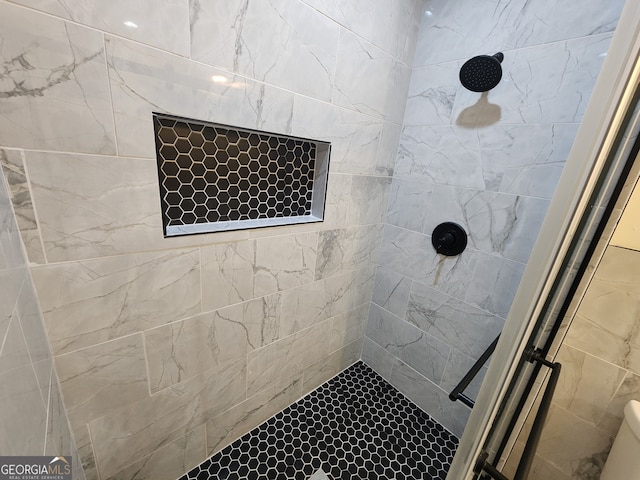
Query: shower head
{"type": "Point", "coordinates": [482, 73]}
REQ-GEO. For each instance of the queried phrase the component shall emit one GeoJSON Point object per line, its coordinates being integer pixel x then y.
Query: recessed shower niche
{"type": "Point", "coordinates": [217, 177]}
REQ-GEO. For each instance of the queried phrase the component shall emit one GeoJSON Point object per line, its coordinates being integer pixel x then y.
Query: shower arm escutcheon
{"type": "Point", "coordinates": [449, 239]}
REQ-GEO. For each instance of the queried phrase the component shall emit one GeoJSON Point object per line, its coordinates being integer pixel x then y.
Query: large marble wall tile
{"type": "Point", "coordinates": [189, 347]}
{"type": "Point", "coordinates": [378, 358]}
{"type": "Point", "coordinates": [440, 154]}
{"type": "Point", "coordinates": [421, 351]}
{"type": "Point", "coordinates": [227, 273]}
{"type": "Point", "coordinates": [338, 195]}
{"type": "Point", "coordinates": [311, 304]}
{"type": "Point", "coordinates": [265, 39]}
{"type": "Point", "coordinates": [170, 461]}
{"type": "Point", "coordinates": [369, 80]}
{"type": "Point", "coordinates": [305, 306]}
{"type": "Point", "coordinates": [395, 27]}
{"type": "Point", "coordinates": [347, 249]}
{"type": "Point", "coordinates": [23, 395]}
{"type": "Point", "coordinates": [12, 263]}
{"type": "Point", "coordinates": [13, 349]}
{"type": "Point", "coordinates": [357, 15]}
{"type": "Point", "coordinates": [183, 349]}
{"type": "Point", "coordinates": [355, 137]}
{"type": "Point", "coordinates": [235, 422]}
{"type": "Point", "coordinates": [549, 21]}
{"type": "Point", "coordinates": [498, 223]}
{"type": "Point", "coordinates": [335, 250]}
{"type": "Point", "coordinates": [584, 454]}
{"type": "Point", "coordinates": [92, 301]}
{"type": "Point", "coordinates": [387, 148]}
{"type": "Point", "coordinates": [518, 159]}
{"type": "Point", "coordinates": [412, 255]}
{"type": "Point", "coordinates": [432, 93]}
{"type": "Point", "coordinates": [546, 84]}
{"type": "Point", "coordinates": [12, 281]}
{"type": "Point", "coordinates": [391, 291]}
{"type": "Point", "coordinates": [59, 438]}
{"type": "Point", "coordinates": [453, 31]}
{"type": "Point", "coordinates": [390, 25]}
{"type": "Point", "coordinates": [366, 247]}
{"type": "Point", "coordinates": [407, 204]}
{"type": "Point", "coordinates": [433, 400]}
{"type": "Point", "coordinates": [458, 365]}
{"type": "Point", "coordinates": [363, 281]}
{"type": "Point", "coordinates": [614, 413]}
{"type": "Point", "coordinates": [369, 197]}
{"type": "Point", "coordinates": [166, 28]}
{"type": "Point", "coordinates": [586, 384]}
{"type": "Point", "coordinates": [614, 293]}
{"type": "Point", "coordinates": [84, 204]}
{"type": "Point", "coordinates": [463, 327]}
{"type": "Point", "coordinates": [35, 335]}
{"type": "Point", "coordinates": [321, 371]}
{"type": "Point", "coordinates": [525, 159]}
{"type": "Point", "coordinates": [82, 438]}
{"type": "Point", "coordinates": [100, 379]}
{"type": "Point", "coordinates": [145, 80]}
{"type": "Point", "coordinates": [385, 329]}
{"type": "Point", "coordinates": [348, 327]}
{"type": "Point", "coordinates": [286, 357]}
{"type": "Point", "coordinates": [13, 167]}
{"type": "Point", "coordinates": [55, 90]}
{"type": "Point", "coordinates": [137, 430]}
{"type": "Point", "coordinates": [284, 262]}
{"type": "Point", "coordinates": [494, 284]}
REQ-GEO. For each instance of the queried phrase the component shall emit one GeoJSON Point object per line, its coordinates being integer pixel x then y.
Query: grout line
{"type": "Point", "coordinates": [46, 425]}
{"type": "Point", "coordinates": [109, 82]}
{"type": "Point", "coordinates": [146, 361]}
{"type": "Point", "coordinates": [93, 452]}
{"type": "Point", "coordinates": [215, 67]}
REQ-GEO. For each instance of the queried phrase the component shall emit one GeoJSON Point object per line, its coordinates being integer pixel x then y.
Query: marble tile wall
{"type": "Point", "coordinates": [489, 162]}
{"type": "Point", "coordinates": [32, 414]}
{"type": "Point", "coordinates": [169, 349]}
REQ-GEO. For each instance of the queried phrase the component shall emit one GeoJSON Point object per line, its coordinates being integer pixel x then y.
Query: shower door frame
{"type": "Point", "coordinates": [594, 143]}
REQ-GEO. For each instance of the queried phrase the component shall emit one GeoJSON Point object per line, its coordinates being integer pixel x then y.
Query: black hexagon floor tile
{"type": "Point", "coordinates": [354, 427]}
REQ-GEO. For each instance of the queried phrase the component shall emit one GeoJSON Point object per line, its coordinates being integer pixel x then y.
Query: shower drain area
{"type": "Point", "coordinates": [355, 426]}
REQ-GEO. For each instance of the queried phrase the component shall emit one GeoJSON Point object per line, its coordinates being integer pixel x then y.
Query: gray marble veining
{"type": "Point", "coordinates": [13, 167]}
{"type": "Point", "coordinates": [462, 326]}
{"type": "Point", "coordinates": [92, 301]}
{"type": "Point", "coordinates": [52, 72]}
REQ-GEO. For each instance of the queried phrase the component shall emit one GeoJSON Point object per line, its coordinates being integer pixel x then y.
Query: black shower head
{"type": "Point", "coordinates": [482, 73]}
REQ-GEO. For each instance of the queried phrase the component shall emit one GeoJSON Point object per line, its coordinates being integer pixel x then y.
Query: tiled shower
{"type": "Point", "coordinates": [168, 349]}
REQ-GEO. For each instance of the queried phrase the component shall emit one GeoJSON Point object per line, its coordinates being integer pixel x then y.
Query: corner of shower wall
{"type": "Point", "coordinates": [32, 410]}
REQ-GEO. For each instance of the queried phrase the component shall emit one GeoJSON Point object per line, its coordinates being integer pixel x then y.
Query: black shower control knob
{"type": "Point", "coordinates": [449, 239]}
{"type": "Point", "coordinates": [446, 239]}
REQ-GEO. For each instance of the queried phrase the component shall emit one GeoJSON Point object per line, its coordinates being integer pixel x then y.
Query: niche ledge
{"type": "Point", "coordinates": [216, 177]}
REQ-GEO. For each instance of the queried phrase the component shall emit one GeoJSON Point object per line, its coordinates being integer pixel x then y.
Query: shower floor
{"type": "Point", "coordinates": [355, 426]}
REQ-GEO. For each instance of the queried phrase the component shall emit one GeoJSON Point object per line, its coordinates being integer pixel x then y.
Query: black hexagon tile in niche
{"type": "Point", "coordinates": [356, 426]}
{"type": "Point", "coordinates": [203, 157]}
